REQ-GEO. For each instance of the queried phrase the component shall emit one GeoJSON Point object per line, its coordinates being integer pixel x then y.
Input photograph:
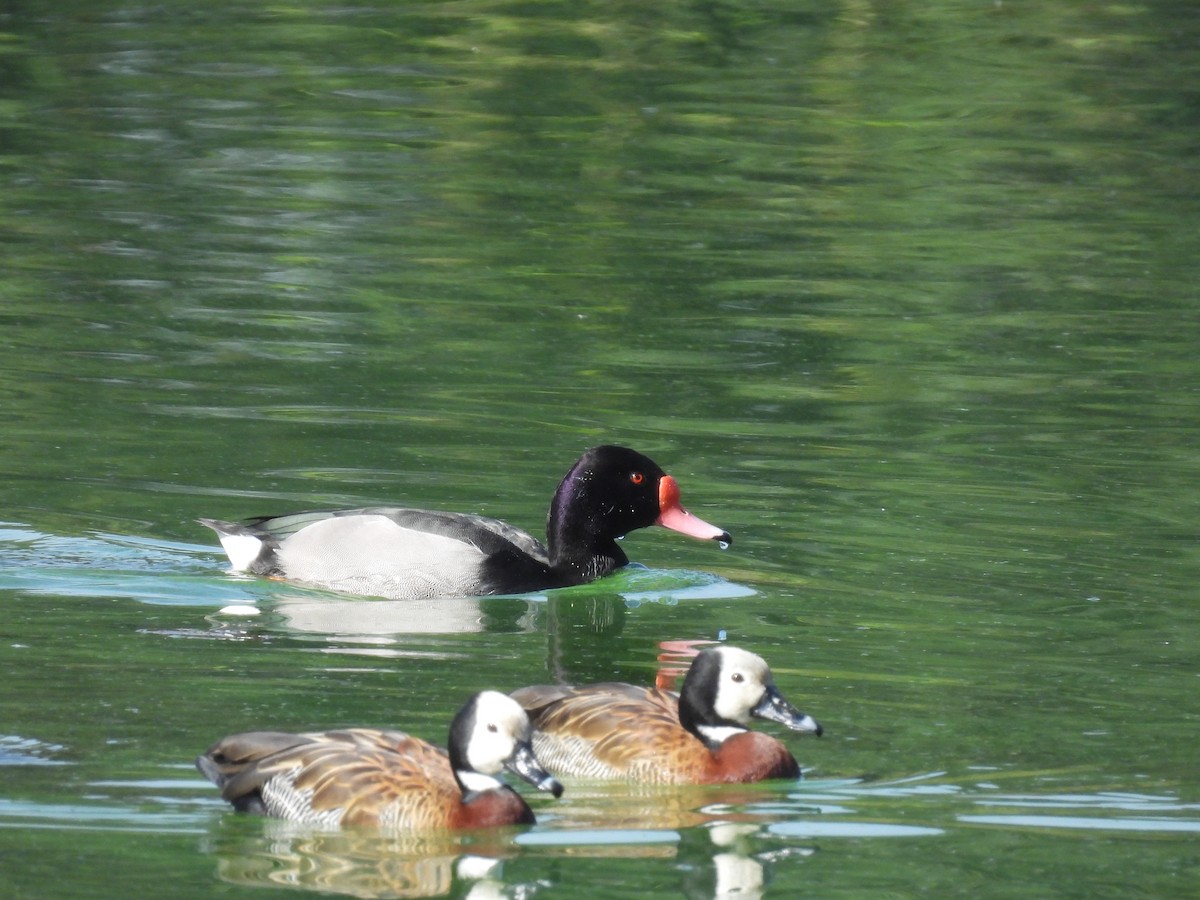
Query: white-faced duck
{"type": "Point", "coordinates": [699, 736]}
{"type": "Point", "coordinates": [364, 776]}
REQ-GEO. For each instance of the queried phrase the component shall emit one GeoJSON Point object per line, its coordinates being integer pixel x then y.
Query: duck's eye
{"type": "Point", "coordinates": [636, 477]}
{"type": "Point", "coordinates": [738, 677]}
{"type": "Point", "coordinates": [492, 727]}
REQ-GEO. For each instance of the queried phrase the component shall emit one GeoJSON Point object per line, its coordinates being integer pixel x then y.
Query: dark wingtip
{"type": "Point", "coordinates": [208, 768]}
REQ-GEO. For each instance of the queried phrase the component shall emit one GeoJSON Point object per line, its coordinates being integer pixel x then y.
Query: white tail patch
{"type": "Point", "coordinates": [242, 549]}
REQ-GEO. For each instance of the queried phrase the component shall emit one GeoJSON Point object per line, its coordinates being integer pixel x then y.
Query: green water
{"type": "Point", "coordinates": [904, 296]}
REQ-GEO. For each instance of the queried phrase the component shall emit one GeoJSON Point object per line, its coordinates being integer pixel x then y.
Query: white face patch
{"type": "Point", "coordinates": [500, 723]}
{"type": "Point", "coordinates": [742, 683]}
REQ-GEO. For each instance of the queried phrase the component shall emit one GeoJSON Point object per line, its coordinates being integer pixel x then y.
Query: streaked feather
{"type": "Point", "coordinates": [356, 776]}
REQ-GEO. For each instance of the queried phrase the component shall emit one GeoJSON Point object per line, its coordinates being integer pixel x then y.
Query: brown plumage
{"type": "Point", "coordinates": [364, 776]}
{"type": "Point", "coordinates": [620, 731]}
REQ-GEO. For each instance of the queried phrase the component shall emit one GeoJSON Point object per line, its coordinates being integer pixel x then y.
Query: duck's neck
{"type": "Point", "coordinates": [472, 782]}
{"type": "Point", "coordinates": [577, 546]}
{"type": "Point", "coordinates": [703, 722]}
{"type": "Point", "coordinates": [583, 558]}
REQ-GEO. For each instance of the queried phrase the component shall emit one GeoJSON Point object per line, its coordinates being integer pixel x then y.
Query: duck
{"type": "Point", "coordinates": [621, 731]}
{"type": "Point", "coordinates": [389, 779]}
{"type": "Point", "coordinates": [402, 553]}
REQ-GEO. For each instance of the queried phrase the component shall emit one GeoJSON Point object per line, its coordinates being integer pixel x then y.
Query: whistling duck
{"type": "Point", "coordinates": [699, 736]}
{"type": "Point", "coordinates": [364, 776]}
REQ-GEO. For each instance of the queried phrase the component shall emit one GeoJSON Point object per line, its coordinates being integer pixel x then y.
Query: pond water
{"type": "Point", "coordinates": [903, 295]}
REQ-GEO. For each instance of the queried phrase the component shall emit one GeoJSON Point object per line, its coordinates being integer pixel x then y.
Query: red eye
{"type": "Point", "coordinates": [637, 477]}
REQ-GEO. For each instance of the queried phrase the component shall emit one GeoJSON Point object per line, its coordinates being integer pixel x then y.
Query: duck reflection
{"type": "Point", "coordinates": [725, 866]}
{"type": "Point", "coordinates": [366, 862]}
{"type": "Point", "coordinates": [378, 618]}
{"type": "Point", "coordinates": [575, 617]}
{"type": "Point", "coordinates": [717, 852]}
{"type": "Point", "coordinates": [714, 840]}
{"type": "Point", "coordinates": [715, 861]}
{"type": "Point", "coordinates": [583, 635]}
{"type": "Point", "coordinates": [619, 806]}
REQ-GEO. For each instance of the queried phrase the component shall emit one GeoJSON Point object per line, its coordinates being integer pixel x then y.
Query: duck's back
{"type": "Point", "coordinates": [351, 777]}
{"type": "Point", "coordinates": [357, 776]}
{"type": "Point", "coordinates": [620, 731]}
{"type": "Point", "coordinates": [612, 731]}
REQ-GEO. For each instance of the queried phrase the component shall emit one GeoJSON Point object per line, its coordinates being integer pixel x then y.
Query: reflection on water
{"type": "Point", "coordinates": [165, 572]}
{"type": "Point", "coordinates": [724, 841]}
{"type": "Point", "coordinates": [105, 565]}
{"type": "Point", "coordinates": [599, 607]}
{"type": "Point", "coordinates": [850, 809]}
{"type": "Point", "coordinates": [448, 615]}
{"type": "Point", "coordinates": [718, 859]}
{"type": "Point", "coordinates": [97, 816]}
{"type": "Point", "coordinates": [23, 751]}
{"type": "Point", "coordinates": [364, 863]}
{"type": "Point", "coordinates": [721, 841]}
{"type": "Point", "coordinates": [1084, 823]}
{"type": "Point", "coordinates": [921, 323]}
{"type": "Point", "coordinates": [1030, 811]}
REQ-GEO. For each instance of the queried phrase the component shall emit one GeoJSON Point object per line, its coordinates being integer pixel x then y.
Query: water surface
{"type": "Point", "coordinates": [904, 298]}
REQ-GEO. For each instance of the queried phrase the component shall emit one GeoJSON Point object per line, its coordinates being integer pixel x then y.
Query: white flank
{"type": "Point", "coordinates": [371, 554]}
